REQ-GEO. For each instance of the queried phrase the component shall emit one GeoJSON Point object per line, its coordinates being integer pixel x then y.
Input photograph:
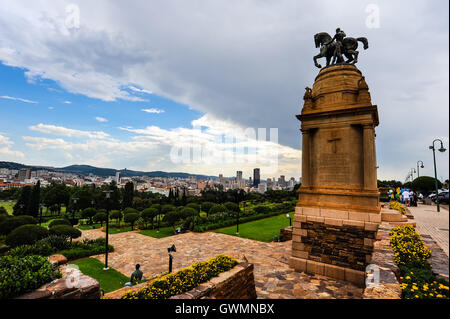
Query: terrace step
{"type": "Point", "coordinates": [392, 216]}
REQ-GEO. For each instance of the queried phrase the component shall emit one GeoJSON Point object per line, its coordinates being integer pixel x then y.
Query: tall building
{"type": "Point", "coordinates": [221, 180]}
{"type": "Point", "coordinates": [117, 179]}
{"type": "Point", "coordinates": [256, 177]}
{"type": "Point", "coordinates": [24, 173]}
{"type": "Point", "coordinates": [239, 176]}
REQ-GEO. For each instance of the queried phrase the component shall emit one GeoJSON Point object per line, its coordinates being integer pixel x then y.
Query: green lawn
{"type": "Point", "coordinates": [163, 232]}
{"type": "Point", "coordinates": [9, 206]}
{"type": "Point", "coordinates": [109, 280]}
{"type": "Point", "coordinates": [262, 229]}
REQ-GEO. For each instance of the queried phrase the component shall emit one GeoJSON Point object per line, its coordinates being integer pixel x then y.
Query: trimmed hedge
{"type": "Point", "coordinates": [43, 247]}
{"type": "Point", "coordinates": [11, 223]}
{"type": "Point", "coordinates": [19, 275]}
{"type": "Point", "coordinates": [26, 235]}
{"type": "Point", "coordinates": [184, 279]}
{"type": "Point", "coordinates": [65, 230]}
{"type": "Point", "coordinates": [59, 221]}
{"type": "Point", "coordinates": [86, 248]}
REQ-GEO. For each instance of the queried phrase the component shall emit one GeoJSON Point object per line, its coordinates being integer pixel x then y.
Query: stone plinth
{"type": "Point", "coordinates": [338, 210]}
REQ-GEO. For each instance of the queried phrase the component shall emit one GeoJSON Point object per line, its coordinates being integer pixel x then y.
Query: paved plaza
{"type": "Point", "coordinates": [430, 222]}
{"type": "Point", "coordinates": [273, 277]}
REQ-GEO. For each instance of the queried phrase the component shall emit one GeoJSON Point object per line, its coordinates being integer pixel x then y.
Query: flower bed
{"type": "Point", "coordinates": [397, 206]}
{"type": "Point", "coordinates": [411, 254]}
{"type": "Point", "coordinates": [184, 279]}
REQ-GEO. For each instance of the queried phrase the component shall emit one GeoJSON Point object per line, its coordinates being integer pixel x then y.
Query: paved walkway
{"type": "Point", "coordinates": [273, 277]}
{"type": "Point", "coordinates": [430, 222]}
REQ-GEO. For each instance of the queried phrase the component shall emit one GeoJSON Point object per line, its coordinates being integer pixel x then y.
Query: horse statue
{"type": "Point", "coordinates": [328, 49]}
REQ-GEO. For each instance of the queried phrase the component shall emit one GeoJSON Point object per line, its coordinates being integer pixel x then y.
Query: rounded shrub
{"type": "Point", "coordinates": [217, 209]}
{"type": "Point", "coordinates": [100, 217]}
{"type": "Point", "coordinates": [26, 235]}
{"type": "Point", "coordinates": [65, 230]}
{"type": "Point", "coordinates": [60, 221]}
{"type": "Point", "coordinates": [11, 223]}
{"type": "Point", "coordinates": [131, 218]}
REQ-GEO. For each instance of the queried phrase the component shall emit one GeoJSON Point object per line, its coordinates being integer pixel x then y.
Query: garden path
{"type": "Point", "coordinates": [273, 277]}
{"type": "Point", "coordinates": [430, 222]}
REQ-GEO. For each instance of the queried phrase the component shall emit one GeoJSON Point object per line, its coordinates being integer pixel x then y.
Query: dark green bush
{"type": "Point", "coordinates": [56, 242]}
{"type": "Point", "coordinates": [84, 250]}
{"type": "Point", "coordinates": [217, 209]}
{"type": "Point", "coordinates": [12, 223]}
{"type": "Point", "coordinates": [3, 211]}
{"type": "Point", "coordinates": [100, 217]}
{"type": "Point", "coordinates": [65, 230]}
{"type": "Point", "coordinates": [26, 235]}
{"type": "Point", "coordinates": [131, 218]}
{"type": "Point", "coordinates": [59, 221]}
{"type": "Point", "coordinates": [19, 275]}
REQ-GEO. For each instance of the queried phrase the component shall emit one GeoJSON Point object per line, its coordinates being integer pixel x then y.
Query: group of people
{"type": "Point", "coordinates": [405, 196]}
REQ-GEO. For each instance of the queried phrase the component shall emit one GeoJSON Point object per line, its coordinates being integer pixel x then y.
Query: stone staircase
{"type": "Point", "coordinates": [394, 217]}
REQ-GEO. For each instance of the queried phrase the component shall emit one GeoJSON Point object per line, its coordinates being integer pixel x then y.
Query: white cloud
{"type": "Point", "coordinates": [153, 110]}
{"type": "Point", "coordinates": [17, 99]}
{"type": "Point", "coordinates": [246, 62]}
{"type": "Point", "coordinates": [101, 119]}
{"type": "Point", "coordinates": [135, 89]}
{"type": "Point", "coordinates": [60, 130]}
{"type": "Point", "coordinates": [67, 102]}
{"type": "Point", "coordinates": [6, 153]}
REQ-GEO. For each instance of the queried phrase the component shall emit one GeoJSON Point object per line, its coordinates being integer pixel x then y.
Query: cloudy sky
{"type": "Point", "coordinates": [130, 83]}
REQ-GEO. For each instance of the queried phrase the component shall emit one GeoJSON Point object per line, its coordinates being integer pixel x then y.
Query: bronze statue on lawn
{"type": "Point", "coordinates": [335, 47]}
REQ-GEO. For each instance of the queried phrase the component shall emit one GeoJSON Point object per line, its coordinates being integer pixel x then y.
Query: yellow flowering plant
{"type": "Point", "coordinates": [411, 254]}
{"type": "Point", "coordinates": [183, 280]}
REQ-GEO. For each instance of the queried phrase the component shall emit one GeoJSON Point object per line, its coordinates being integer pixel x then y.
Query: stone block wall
{"type": "Point", "coordinates": [286, 234]}
{"type": "Point", "coordinates": [331, 244]}
{"type": "Point", "coordinates": [237, 283]}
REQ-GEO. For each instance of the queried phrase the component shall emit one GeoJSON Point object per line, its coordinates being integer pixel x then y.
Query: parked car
{"type": "Point", "coordinates": [443, 198]}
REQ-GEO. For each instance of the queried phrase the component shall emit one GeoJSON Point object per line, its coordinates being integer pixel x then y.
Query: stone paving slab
{"type": "Point", "coordinates": [273, 277]}
{"type": "Point", "coordinates": [430, 222]}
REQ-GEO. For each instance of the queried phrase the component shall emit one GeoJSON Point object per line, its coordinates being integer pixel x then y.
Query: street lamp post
{"type": "Point", "coordinates": [40, 213]}
{"type": "Point", "coordinates": [108, 195]}
{"type": "Point", "coordinates": [421, 166]}
{"type": "Point", "coordinates": [290, 219]}
{"type": "Point", "coordinates": [74, 208]}
{"type": "Point", "coordinates": [441, 149]}
{"type": "Point", "coordinates": [413, 170]}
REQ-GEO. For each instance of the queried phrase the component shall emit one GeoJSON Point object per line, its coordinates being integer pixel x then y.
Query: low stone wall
{"type": "Point", "coordinates": [286, 233]}
{"type": "Point", "coordinates": [72, 285]}
{"type": "Point", "coordinates": [237, 283]}
{"type": "Point", "coordinates": [382, 282]}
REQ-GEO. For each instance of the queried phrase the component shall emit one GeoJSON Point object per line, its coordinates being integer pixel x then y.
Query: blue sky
{"type": "Point", "coordinates": [224, 65]}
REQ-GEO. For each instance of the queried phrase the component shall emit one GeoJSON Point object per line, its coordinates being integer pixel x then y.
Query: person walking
{"type": "Point", "coordinates": [405, 196]}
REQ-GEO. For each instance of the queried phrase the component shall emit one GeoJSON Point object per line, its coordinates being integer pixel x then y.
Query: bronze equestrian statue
{"type": "Point", "coordinates": [337, 46]}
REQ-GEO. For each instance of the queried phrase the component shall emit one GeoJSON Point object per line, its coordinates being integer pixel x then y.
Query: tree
{"type": "Point", "coordinates": [194, 206]}
{"type": "Point", "coordinates": [218, 208]}
{"type": "Point", "coordinates": [66, 231]}
{"type": "Point", "coordinates": [131, 219]}
{"type": "Point", "coordinates": [89, 213]}
{"type": "Point", "coordinates": [130, 210]}
{"type": "Point", "coordinates": [22, 206]}
{"type": "Point", "coordinates": [167, 208]}
{"type": "Point", "coordinates": [231, 207]}
{"type": "Point", "coordinates": [261, 209]}
{"type": "Point", "coordinates": [128, 194]}
{"type": "Point", "coordinates": [206, 206]}
{"type": "Point", "coordinates": [100, 217]}
{"type": "Point", "coordinates": [148, 215]}
{"type": "Point", "coordinates": [35, 200]}
{"type": "Point", "coordinates": [425, 184]}
{"type": "Point", "coordinates": [116, 214]}
{"type": "Point", "coordinates": [186, 212]}
{"type": "Point", "coordinates": [171, 218]}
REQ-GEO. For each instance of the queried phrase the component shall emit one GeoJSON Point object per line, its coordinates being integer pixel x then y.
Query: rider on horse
{"type": "Point", "coordinates": [339, 37]}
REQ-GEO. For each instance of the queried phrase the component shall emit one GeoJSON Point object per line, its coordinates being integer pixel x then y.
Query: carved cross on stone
{"type": "Point", "coordinates": [334, 140]}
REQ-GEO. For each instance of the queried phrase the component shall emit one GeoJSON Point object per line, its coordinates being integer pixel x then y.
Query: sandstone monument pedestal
{"type": "Point", "coordinates": [338, 211]}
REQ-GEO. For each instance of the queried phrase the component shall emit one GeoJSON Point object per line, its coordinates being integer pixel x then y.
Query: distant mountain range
{"type": "Point", "coordinates": [98, 171]}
